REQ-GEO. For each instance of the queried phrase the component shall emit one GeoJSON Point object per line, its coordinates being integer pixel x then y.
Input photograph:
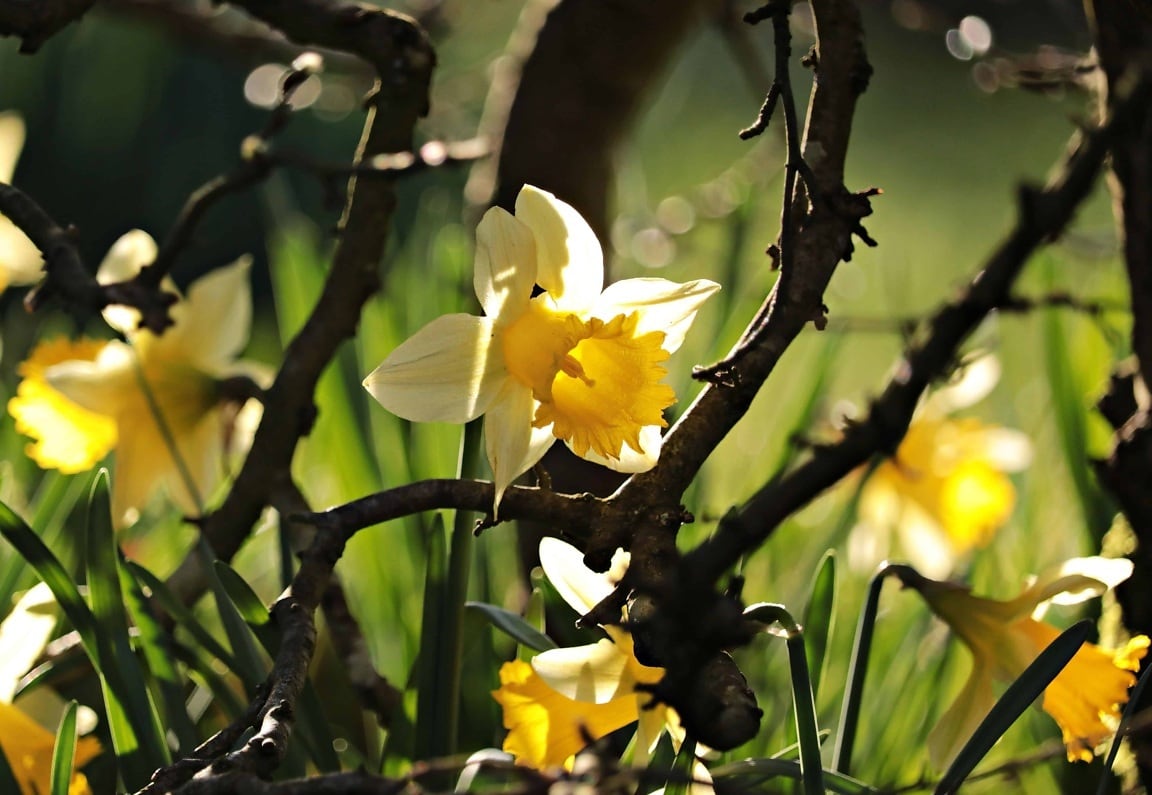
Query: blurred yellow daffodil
{"type": "Point", "coordinates": [24, 740]}
{"type": "Point", "coordinates": [1005, 637]}
{"type": "Point", "coordinates": [20, 261]}
{"type": "Point", "coordinates": [144, 396]}
{"type": "Point", "coordinates": [577, 362]}
{"type": "Point", "coordinates": [946, 490]}
{"type": "Point", "coordinates": [566, 696]}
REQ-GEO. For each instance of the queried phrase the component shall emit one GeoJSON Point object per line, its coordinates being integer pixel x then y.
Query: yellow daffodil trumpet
{"type": "Point", "coordinates": [1005, 637]}
{"type": "Point", "coordinates": [577, 362]}
{"type": "Point", "coordinates": [553, 705]}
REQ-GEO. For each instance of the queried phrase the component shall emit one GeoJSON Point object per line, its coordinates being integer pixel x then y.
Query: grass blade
{"type": "Point", "coordinates": [64, 753]}
{"type": "Point", "coordinates": [137, 735]}
{"type": "Point", "coordinates": [513, 626]}
{"type": "Point", "coordinates": [819, 616]}
{"type": "Point", "coordinates": [803, 703]}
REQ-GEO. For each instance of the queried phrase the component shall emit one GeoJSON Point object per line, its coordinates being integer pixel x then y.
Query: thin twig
{"type": "Point", "coordinates": [1043, 214]}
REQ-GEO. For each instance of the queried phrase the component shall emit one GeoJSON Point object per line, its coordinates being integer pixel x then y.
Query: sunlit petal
{"type": "Point", "coordinates": [512, 444]}
{"type": "Point", "coordinates": [131, 252]}
{"type": "Point", "coordinates": [100, 385]}
{"type": "Point", "coordinates": [11, 142]}
{"type": "Point", "coordinates": [584, 673]}
{"type": "Point", "coordinates": [578, 585]}
{"type": "Point", "coordinates": [631, 461]}
{"type": "Point", "coordinates": [570, 263]}
{"type": "Point", "coordinates": [23, 635]}
{"type": "Point", "coordinates": [661, 305]}
{"type": "Point", "coordinates": [447, 372]}
{"type": "Point", "coordinates": [505, 256]}
{"type": "Point", "coordinates": [216, 319]}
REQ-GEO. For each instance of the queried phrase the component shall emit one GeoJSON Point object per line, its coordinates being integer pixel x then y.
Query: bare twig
{"type": "Point", "coordinates": [1043, 214]}
{"type": "Point", "coordinates": [404, 58]}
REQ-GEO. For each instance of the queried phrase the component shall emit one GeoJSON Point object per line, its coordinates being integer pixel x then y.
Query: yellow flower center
{"type": "Point", "coordinates": [597, 382]}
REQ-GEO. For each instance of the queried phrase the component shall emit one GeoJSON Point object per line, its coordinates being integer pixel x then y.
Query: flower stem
{"type": "Point", "coordinates": [857, 672]}
{"type": "Point", "coordinates": [803, 703]}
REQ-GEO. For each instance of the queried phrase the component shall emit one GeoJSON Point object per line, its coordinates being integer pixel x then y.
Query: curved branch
{"type": "Point", "coordinates": [1043, 214]}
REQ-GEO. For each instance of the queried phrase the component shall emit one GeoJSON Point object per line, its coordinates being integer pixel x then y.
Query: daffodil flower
{"type": "Point", "coordinates": [20, 261]}
{"type": "Point", "coordinates": [1005, 637]}
{"type": "Point", "coordinates": [25, 742]}
{"type": "Point", "coordinates": [145, 395]}
{"type": "Point", "coordinates": [946, 491]}
{"type": "Point", "coordinates": [565, 696]}
{"type": "Point", "coordinates": [577, 362]}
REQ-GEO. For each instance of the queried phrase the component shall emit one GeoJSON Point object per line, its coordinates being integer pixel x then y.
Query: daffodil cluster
{"type": "Point", "coordinates": [565, 696]}
{"type": "Point", "coordinates": [155, 399]}
{"type": "Point", "coordinates": [1005, 637]}
{"type": "Point", "coordinates": [576, 362]}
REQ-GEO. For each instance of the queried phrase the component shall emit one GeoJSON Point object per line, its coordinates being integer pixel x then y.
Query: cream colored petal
{"type": "Point", "coordinates": [1007, 449]}
{"type": "Point", "coordinates": [131, 252]}
{"type": "Point", "coordinates": [12, 133]}
{"type": "Point", "coordinates": [142, 463]}
{"type": "Point", "coordinates": [202, 452]}
{"type": "Point", "coordinates": [505, 265]}
{"type": "Point", "coordinates": [23, 636]}
{"type": "Point", "coordinates": [1074, 581]}
{"type": "Point", "coordinates": [631, 461]}
{"type": "Point", "coordinates": [512, 444]}
{"type": "Point", "coordinates": [570, 263]}
{"type": "Point", "coordinates": [448, 371]}
{"type": "Point", "coordinates": [217, 318]}
{"type": "Point", "coordinates": [578, 585]}
{"type": "Point", "coordinates": [102, 385]}
{"type": "Point", "coordinates": [590, 673]}
{"type": "Point", "coordinates": [648, 730]}
{"type": "Point", "coordinates": [663, 305]}
{"type": "Point", "coordinates": [20, 260]}
{"type": "Point", "coordinates": [960, 721]}
{"type": "Point", "coordinates": [976, 380]}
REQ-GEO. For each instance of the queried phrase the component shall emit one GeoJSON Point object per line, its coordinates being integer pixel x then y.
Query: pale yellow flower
{"type": "Point", "coordinates": [20, 261]}
{"type": "Point", "coordinates": [946, 491]}
{"type": "Point", "coordinates": [1006, 636]}
{"type": "Point", "coordinates": [578, 362]}
{"type": "Point", "coordinates": [25, 742]}
{"type": "Point", "coordinates": [67, 437]}
{"type": "Point", "coordinates": [181, 370]}
{"type": "Point", "coordinates": [565, 696]}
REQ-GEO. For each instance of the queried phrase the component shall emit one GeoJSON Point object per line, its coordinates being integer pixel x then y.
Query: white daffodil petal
{"type": "Point", "coordinates": [101, 385]}
{"type": "Point", "coordinates": [1007, 449]}
{"type": "Point", "coordinates": [512, 444]}
{"type": "Point", "coordinates": [662, 305]}
{"type": "Point", "coordinates": [1078, 580]}
{"type": "Point", "coordinates": [11, 142]}
{"type": "Point", "coordinates": [23, 636]}
{"type": "Point", "coordinates": [959, 722]}
{"type": "Point", "coordinates": [505, 264]}
{"type": "Point", "coordinates": [215, 325]}
{"type": "Point", "coordinates": [631, 461]}
{"type": "Point", "coordinates": [977, 379]}
{"type": "Point", "coordinates": [20, 260]}
{"type": "Point", "coordinates": [578, 585]}
{"type": "Point", "coordinates": [570, 263]}
{"type": "Point", "coordinates": [648, 730]}
{"type": "Point", "coordinates": [448, 371]}
{"type": "Point", "coordinates": [584, 673]}
{"type": "Point", "coordinates": [131, 252]}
